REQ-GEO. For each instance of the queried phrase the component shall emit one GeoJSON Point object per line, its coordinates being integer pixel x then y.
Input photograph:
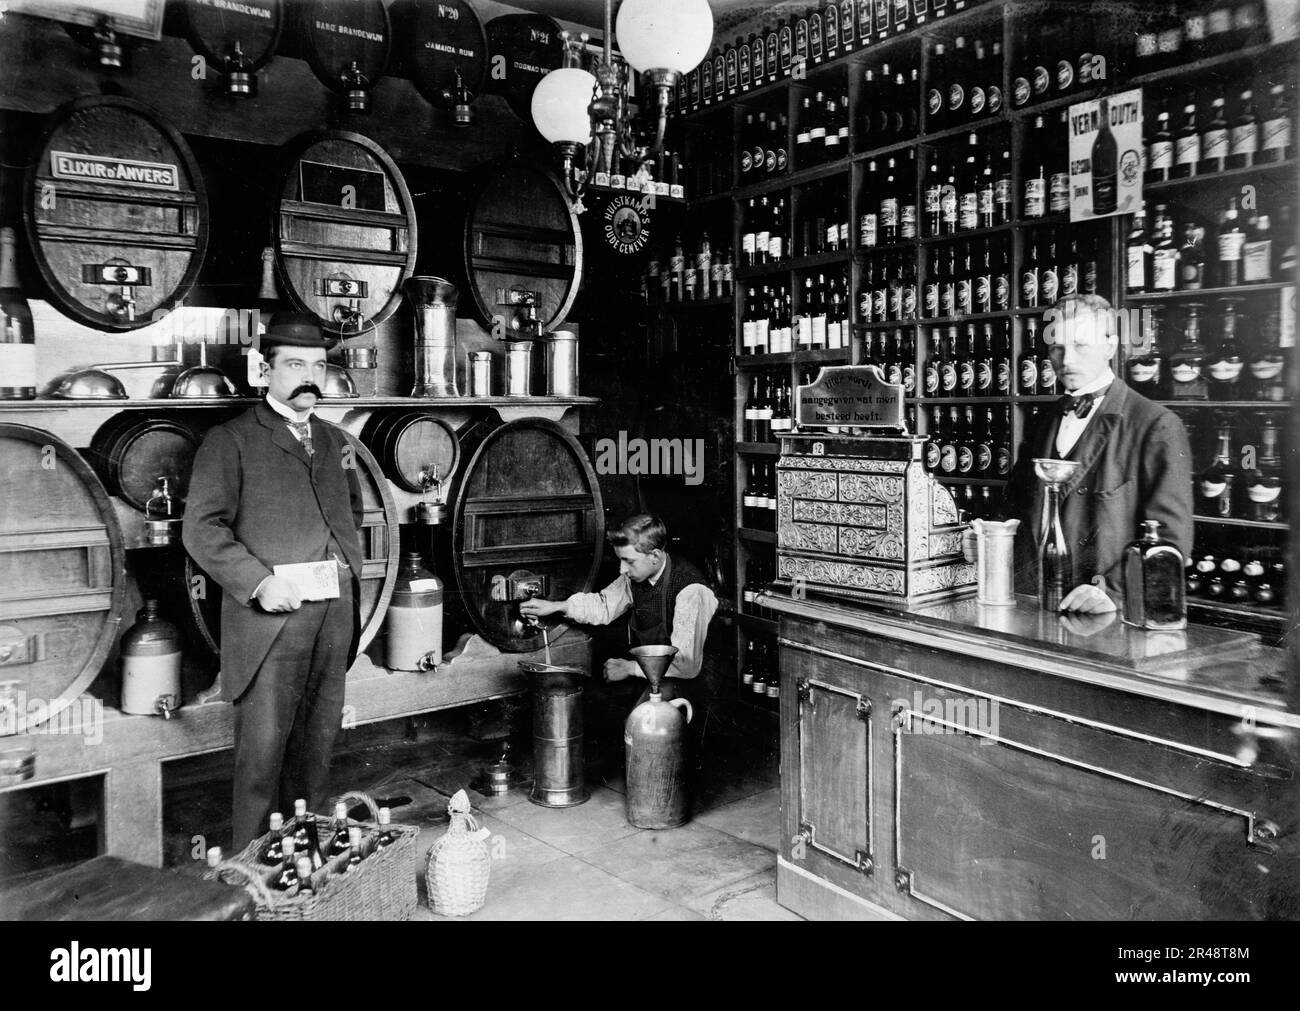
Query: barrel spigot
{"type": "Point", "coordinates": [165, 706]}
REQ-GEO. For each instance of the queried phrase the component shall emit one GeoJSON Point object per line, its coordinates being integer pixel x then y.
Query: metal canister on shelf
{"type": "Point", "coordinates": [519, 369]}
{"type": "Point", "coordinates": [561, 363]}
{"type": "Point", "coordinates": [480, 373]}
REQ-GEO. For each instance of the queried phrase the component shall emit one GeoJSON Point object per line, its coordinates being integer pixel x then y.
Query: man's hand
{"type": "Point", "coordinates": [277, 595]}
{"type": "Point", "coordinates": [1083, 625]}
{"type": "Point", "coordinates": [619, 669]}
{"type": "Point", "coordinates": [1090, 598]}
{"type": "Point", "coordinates": [535, 607]}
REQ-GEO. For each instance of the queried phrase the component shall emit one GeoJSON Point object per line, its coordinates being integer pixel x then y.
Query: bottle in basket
{"type": "Point", "coordinates": [459, 863]}
{"type": "Point", "coordinates": [273, 854]}
{"type": "Point", "coordinates": [288, 876]}
{"type": "Point", "coordinates": [305, 886]}
{"type": "Point", "coordinates": [340, 843]}
{"type": "Point", "coordinates": [354, 842]}
{"type": "Point", "coordinates": [386, 837]}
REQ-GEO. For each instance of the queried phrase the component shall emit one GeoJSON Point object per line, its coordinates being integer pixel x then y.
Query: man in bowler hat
{"type": "Point", "coordinates": [278, 486]}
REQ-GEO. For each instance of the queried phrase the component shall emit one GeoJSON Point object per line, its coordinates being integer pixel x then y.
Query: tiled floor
{"type": "Point", "coordinates": [579, 863]}
{"type": "Point", "coordinates": [587, 862]}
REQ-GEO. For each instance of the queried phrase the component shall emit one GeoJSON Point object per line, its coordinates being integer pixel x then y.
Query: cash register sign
{"type": "Point", "coordinates": [850, 396]}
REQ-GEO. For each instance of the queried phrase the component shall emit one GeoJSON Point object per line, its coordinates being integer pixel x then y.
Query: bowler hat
{"type": "Point", "coordinates": [296, 329]}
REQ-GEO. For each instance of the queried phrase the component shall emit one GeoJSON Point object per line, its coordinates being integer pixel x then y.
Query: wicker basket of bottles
{"type": "Point", "coordinates": [372, 879]}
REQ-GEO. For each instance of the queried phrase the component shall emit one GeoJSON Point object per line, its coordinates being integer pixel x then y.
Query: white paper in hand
{"type": "Point", "coordinates": [312, 580]}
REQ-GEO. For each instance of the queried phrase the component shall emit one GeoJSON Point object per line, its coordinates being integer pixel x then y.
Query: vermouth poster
{"type": "Point", "coordinates": [1106, 156]}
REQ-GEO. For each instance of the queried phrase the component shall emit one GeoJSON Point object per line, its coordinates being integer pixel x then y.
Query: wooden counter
{"type": "Point", "coordinates": [953, 760]}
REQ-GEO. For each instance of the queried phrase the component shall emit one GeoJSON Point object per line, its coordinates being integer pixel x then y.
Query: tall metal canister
{"type": "Point", "coordinates": [558, 776]}
{"type": "Point", "coordinates": [434, 302]}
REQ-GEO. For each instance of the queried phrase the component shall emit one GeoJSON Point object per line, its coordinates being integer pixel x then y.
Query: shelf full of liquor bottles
{"type": "Point", "coordinates": [914, 192]}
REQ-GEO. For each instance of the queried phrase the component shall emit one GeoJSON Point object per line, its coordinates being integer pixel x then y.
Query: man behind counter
{"type": "Point", "coordinates": [1135, 461]}
{"type": "Point", "coordinates": [667, 596]}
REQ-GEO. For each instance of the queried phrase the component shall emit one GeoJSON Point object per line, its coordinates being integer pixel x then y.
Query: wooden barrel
{"type": "Point", "coordinates": [521, 232]}
{"type": "Point", "coordinates": [380, 544]}
{"type": "Point", "coordinates": [62, 570]}
{"type": "Point", "coordinates": [409, 444]}
{"type": "Point", "coordinates": [133, 449]}
{"type": "Point", "coordinates": [331, 35]}
{"type": "Point", "coordinates": [436, 38]}
{"type": "Point", "coordinates": [214, 30]}
{"type": "Point", "coordinates": [527, 502]}
{"type": "Point", "coordinates": [116, 213]}
{"type": "Point", "coordinates": [345, 229]}
{"type": "Point", "coordinates": [522, 49]}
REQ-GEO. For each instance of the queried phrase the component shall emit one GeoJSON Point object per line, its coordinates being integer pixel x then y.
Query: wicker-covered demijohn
{"type": "Point", "coordinates": [459, 863]}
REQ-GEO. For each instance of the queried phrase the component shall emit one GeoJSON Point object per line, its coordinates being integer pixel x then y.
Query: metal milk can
{"type": "Point", "coordinates": [654, 738]}
{"type": "Point", "coordinates": [995, 571]}
{"type": "Point", "coordinates": [414, 618]}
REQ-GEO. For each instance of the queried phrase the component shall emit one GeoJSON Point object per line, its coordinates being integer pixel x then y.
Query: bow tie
{"type": "Point", "coordinates": [1079, 406]}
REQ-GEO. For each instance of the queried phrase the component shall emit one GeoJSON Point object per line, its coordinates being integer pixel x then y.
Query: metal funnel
{"type": "Point", "coordinates": [654, 661]}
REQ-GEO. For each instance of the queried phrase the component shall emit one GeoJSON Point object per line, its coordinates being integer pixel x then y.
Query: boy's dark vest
{"type": "Point", "coordinates": [651, 620]}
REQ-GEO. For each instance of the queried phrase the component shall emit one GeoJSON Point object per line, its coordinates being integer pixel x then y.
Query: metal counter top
{"type": "Point", "coordinates": [1213, 669]}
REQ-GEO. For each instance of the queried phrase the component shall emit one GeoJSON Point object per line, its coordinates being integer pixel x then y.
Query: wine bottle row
{"type": "Point", "coordinates": [760, 571]}
{"type": "Point", "coordinates": [965, 82]}
{"type": "Point", "coordinates": [760, 675]}
{"type": "Point", "coordinates": [297, 853]}
{"type": "Point", "coordinates": [1248, 359]}
{"type": "Point", "coordinates": [1209, 28]}
{"type": "Point", "coordinates": [763, 147]}
{"type": "Point", "coordinates": [890, 100]}
{"type": "Point", "coordinates": [766, 411]}
{"type": "Point", "coordinates": [689, 278]}
{"type": "Point", "coordinates": [968, 362]}
{"type": "Point", "coordinates": [758, 498]}
{"type": "Point", "coordinates": [823, 129]}
{"type": "Point", "coordinates": [770, 323]}
{"type": "Point", "coordinates": [963, 195]}
{"type": "Point", "coordinates": [1208, 141]}
{"type": "Point", "coordinates": [1064, 55]}
{"type": "Point", "coordinates": [1251, 490]}
{"type": "Point", "coordinates": [1261, 579]}
{"type": "Point", "coordinates": [795, 43]}
{"type": "Point", "coordinates": [968, 441]}
{"type": "Point", "coordinates": [1241, 253]}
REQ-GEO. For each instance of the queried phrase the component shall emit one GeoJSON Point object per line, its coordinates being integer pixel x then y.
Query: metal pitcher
{"type": "Point", "coordinates": [995, 567]}
{"type": "Point", "coordinates": [434, 303]}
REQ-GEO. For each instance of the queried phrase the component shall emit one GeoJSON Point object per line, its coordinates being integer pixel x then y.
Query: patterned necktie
{"type": "Point", "coordinates": [303, 430]}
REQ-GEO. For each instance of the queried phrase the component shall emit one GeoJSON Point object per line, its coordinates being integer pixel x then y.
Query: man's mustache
{"type": "Point", "coordinates": [307, 388]}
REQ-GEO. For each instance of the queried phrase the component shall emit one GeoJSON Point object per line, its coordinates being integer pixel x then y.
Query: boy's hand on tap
{"type": "Point", "coordinates": [535, 607]}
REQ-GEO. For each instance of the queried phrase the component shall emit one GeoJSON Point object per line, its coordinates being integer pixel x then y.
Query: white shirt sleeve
{"type": "Point", "coordinates": [600, 608]}
{"type": "Point", "coordinates": [691, 616]}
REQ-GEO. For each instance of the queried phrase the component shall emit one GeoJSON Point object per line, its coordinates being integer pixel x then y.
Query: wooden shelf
{"type": "Point", "coordinates": [1221, 178]}
{"type": "Point", "coordinates": [975, 317]}
{"type": "Point", "coordinates": [1225, 610]}
{"type": "Point", "coordinates": [974, 126]}
{"type": "Point", "coordinates": [901, 246]}
{"type": "Point", "coordinates": [1251, 54]}
{"type": "Point", "coordinates": [1054, 104]}
{"type": "Point", "coordinates": [949, 479]}
{"type": "Point", "coordinates": [1217, 521]}
{"type": "Point", "coordinates": [821, 355]}
{"type": "Point", "coordinates": [726, 302]}
{"type": "Point", "coordinates": [51, 403]}
{"type": "Point", "coordinates": [966, 236]}
{"type": "Point", "coordinates": [884, 151]}
{"type": "Point", "coordinates": [886, 324]}
{"type": "Point", "coordinates": [763, 624]}
{"type": "Point", "coordinates": [794, 264]}
{"type": "Point", "coordinates": [1047, 221]}
{"type": "Point", "coordinates": [757, 536]}
{"type": "Point", "coordinates": [758, 449]}
{"type": "Point", "coordinates": [791, 179]}
{"type": "Point", "coordinates": [1204, 293]}
{"type": "Point", "coordinates": [1236, 405]}
{"type": "Point", "coordinates": [958, 401]}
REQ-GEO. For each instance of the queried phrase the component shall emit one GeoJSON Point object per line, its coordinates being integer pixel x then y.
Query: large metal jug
{"type": "Point", "coordinates": [433, 301]}
{"type": "Point", "coordinates": [654, 739]}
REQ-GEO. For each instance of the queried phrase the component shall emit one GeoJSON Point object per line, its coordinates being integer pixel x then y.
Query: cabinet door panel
{"type": "Point", "coordinates": [834, 769]}
{"type": "Point", "coordinates": [993, 832]}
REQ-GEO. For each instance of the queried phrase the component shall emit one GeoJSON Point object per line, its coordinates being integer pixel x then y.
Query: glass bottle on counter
{"type": "Point", "coordinates": [17, 336]}
{"type": "Point", "coordinates": [1154, 582]}
{"type": "Point", "coordinates": [1055, 559]}
{"type": "Point", "coordinates": [1187, 361]}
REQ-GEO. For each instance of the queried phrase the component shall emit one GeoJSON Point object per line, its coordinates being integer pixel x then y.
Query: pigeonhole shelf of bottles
{"type": "Point", "coordinates": [371, 877]}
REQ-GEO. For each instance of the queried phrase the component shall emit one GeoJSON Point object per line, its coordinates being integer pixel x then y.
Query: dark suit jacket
{"type": "Point", "coordinates": [256, 500]}
{"type": "Point", "coordinates": [1136, 465]}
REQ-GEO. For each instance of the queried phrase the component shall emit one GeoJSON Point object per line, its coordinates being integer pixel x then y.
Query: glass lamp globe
{"type": "Point", "coordinates": [664, 34]}
{"type": "Point", "coordinates": [560, 105]}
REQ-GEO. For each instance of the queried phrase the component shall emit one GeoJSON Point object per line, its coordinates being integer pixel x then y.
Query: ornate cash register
{"type": "Point", "coordinates": [858, 517]}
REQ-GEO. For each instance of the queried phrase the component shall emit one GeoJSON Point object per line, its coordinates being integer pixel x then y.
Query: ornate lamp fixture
{"type": "Point", "coordinates": [573, 107]}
